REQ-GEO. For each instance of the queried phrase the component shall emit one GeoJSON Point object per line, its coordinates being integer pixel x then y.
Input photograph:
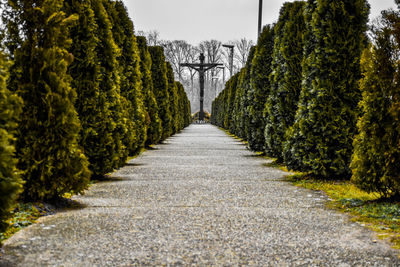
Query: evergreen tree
{"type": "Point", "coordinates": [107, 53]}
{"type": "Point", "coordinates": [182, 110]}
{"type": "Point", "coordinates": [375, 162]}
{"type": "Point", "coordinates": [10, 181]}
{"type": "Point", "coordinates": [160, 83]}
{"type": "Point", "coordinates": [92, 104]}
{"type": "Point", "coordinates": [285, 78]}
{"type": "Point", "coordinates": [154, 131]}
{"type": "Point", "coordinates": [328, 113]}
{"type": "Point", "coordinates": [260, 72]}
{"type": "Point", "coordinates": [297, 147]}
{"type": "Point", "coordinates": [238, 112]}
{"type": "Point", "coordinates": [50, 157]}
{"type": "Point", "coordinates": [248, 94]}
{"type": "Point", "coordinates": [131, 83]}
{"type": "Point", "coordinates": [230, 101]}
{"type": "Point", "coordinates": [173, 98]}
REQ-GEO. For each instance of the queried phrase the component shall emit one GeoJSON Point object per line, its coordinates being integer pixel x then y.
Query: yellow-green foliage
{"type": "Point", "coordinates": [160, 88]}
{"type": "Point", "coordinates": [49, 155]}
{"type": "Point", "coordinates": [154, 131]}
{"type": "Point", "coordinates": [376, 159]}
{"type": "Point", "coordinates": [10, 181]}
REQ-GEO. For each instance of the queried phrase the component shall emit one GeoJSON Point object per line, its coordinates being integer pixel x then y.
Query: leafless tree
{"type": "Point", "coordinates": [242, 47]}
{"type": "Point", "coordinates": [153, 37]}
{"type": "Point", "coordinates": [176, 53]}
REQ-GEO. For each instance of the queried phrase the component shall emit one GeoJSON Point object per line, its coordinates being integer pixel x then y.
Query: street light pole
{"type": "Point", "coordinates": [260, 8]}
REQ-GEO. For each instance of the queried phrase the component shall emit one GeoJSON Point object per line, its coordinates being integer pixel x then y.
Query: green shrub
{"type": "Point", "coordinates": [51, 159]}
{"type": "Point", "coordinates": [160, 85]}
{"type": "Point", "coordinates": [285, 77]}
{"type": "Point", "coordinates": [260, 72]}
{"type": "Point", "coordinates": [328, 106]}
{"type": "Point", "coordinates": [10, 181]}
{"type": "Point", "coordinates": [154, 130]}
{"type": "Point", "coordinates": [173, 98]}
{"type": "Point", "coordinates": [376, 159]}
{"type": "Point", "coordinates": [131, 82]}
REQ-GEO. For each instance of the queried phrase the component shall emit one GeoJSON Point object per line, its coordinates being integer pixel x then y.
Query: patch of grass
{"type": "Point", "coordinates": [23, 215]}
{"type": "Point", "coordinates": [368, 209]}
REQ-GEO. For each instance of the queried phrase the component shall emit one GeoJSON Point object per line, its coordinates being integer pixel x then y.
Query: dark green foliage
{"type": "Point", "coordinates": [230, 101]}
{"type": "Point", "coordinates": [285, 77]}
{"type": "Point", "coordinates": [131, 82]}
{"type": "Point", "coordinates": [376, 159]}
{"type": "Point", "coordinates": [173, 99]}
{"type": "Point", "coordinates": [48, 132]}
{"type": "Point", "coordinates": [10, 181]}
{"type": "Point", "coordinates": [97, 95]}
{"type": "Point", "coordinates": [328, 113]}
{"type": "Point", "coordinates": [154, 131]}
{"type": "Point", "coordinates": [184, 115]}
{"type": "Point", "coordinates": [297, 147]}
{"type": "Point", "coordinates": [160, 85]}
{"type": "Point", "coordinates": [238, 112]}
{"type": "Point", "coordinates": [260, 72]}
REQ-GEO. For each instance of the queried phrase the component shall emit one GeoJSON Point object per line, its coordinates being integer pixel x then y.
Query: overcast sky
{"type": "Point", "coordinates": [224, 20]}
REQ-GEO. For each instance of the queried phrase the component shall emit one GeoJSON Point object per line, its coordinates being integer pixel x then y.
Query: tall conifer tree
{"type": "Point", "coordinates": [10, 181]}
{"type": "Point", "coordinates": [107, 53]}
{"type": "Point", "coordinates": [48, 133]}
{"type": "Point", "coordinates": [154, 131]}
{"type": "Point", "coordinates": [173, 98]}
{"type": "Point", "coordinates": [92, 105]}
{"type": "Point", "coordinates": [160, 85]}
{"type": "Point", "coordinates": [131, 82]}
{"type": "Point", "coordinates": [260, 72]}
{"type": "Point", "coordinates": [285, 78]}
{"type": "Point", "coordinates": [328, 113]}
{"type": "Point", "coordinates": [297, 147]}
{"type": "Point", "coordinates": [376, 159]}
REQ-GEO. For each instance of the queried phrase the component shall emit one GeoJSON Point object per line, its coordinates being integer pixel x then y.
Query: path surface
{"type": "Point", "coordinates": [202, 199]}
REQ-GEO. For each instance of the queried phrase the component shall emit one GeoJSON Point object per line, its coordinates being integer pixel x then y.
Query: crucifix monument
{"type": "Point", "coordinates": [201, 68]}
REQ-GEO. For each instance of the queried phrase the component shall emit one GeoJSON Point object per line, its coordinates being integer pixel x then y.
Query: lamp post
{"type": "Point", "coordinates": [231, 48]}
{"type": "Point", "coordinates": [260, 8]}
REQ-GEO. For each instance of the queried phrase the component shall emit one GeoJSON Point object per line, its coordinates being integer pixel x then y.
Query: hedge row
{"type": "Point", "coordinates": [301, 94]}
{"type": "Point", "coordinates": [79, 94]}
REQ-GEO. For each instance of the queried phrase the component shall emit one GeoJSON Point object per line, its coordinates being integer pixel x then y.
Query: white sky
{"type": "Point", "coordinates": [223, 20]}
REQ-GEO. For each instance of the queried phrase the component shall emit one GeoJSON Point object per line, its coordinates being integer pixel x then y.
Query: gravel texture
{"type": "Point", "coordinates": [200, 198]}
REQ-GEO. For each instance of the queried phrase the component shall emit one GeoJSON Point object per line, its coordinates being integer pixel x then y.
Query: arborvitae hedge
{"type": "Point", "coordinates": [48, 132]}
{"type": "Point", "coordinates": [108, 53]}
{"type": "Point", "coordinates": [160, 85]}
{"type": "Point", "coordinates": [76, 60]}
{"type": "Point", "coordinates": [173, 98]}
{"type": "Point", "coordinates": [10, 181]}
{"type": "Point", "coordinates": [93, 108]}
{"type": "Point", "coordinates": [285, 78]}
{"type": "Point", "coordinates": [154, 131]}
{"type": "Point", "coordinates": [131, 83]}
{"type": "Point", "coordinates": [328, 122]}
{"type": "Point", "coordinates": [376, 159]}
{"type": "Point", "coordinates": [238, 113]}
{"type": "Point", "coordinates": [297, 147]}
{"type": "Point", "coordinates": [260, 72]}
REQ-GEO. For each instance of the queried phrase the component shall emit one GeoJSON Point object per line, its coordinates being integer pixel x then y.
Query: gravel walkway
{"type": "Point", "coordinates": [198, 199]}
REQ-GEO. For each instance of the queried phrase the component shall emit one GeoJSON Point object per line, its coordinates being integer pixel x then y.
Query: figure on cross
{"type": "Point", "coordinates": [201, 68]}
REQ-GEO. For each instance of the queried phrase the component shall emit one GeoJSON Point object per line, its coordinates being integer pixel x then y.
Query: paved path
{"type": "Point", "coordinates": [199, 199]}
